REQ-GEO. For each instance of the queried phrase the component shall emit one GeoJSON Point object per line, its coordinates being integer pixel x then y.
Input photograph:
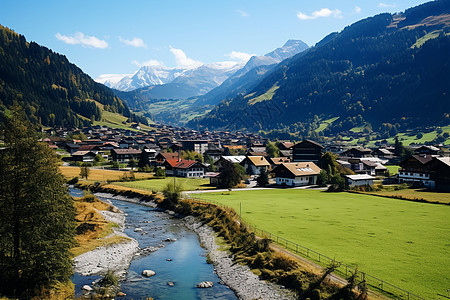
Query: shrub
{"type": "Point", "coordinates": [109, 279]}
{"type": "Point", "coordinates": [73, 180]}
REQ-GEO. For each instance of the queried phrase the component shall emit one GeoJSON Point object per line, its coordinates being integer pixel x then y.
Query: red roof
{"type": "Point", "coordinates": [86, 147]}
{"type": "Point", "coordinates": [182, 164]}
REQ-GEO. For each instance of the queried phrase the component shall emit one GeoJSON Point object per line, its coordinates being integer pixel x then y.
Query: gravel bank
{"type": "Point", "coordinates": [116, 257]}
{"type": "Point", "coordinates": [239, 278]}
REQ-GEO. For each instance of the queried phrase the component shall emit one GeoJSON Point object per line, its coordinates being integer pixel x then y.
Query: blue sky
{"type": "Point", "coordinates": [116, 37]}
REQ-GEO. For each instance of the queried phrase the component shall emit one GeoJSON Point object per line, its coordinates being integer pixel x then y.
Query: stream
{"type": "Point", "coordinates": [180, 259]}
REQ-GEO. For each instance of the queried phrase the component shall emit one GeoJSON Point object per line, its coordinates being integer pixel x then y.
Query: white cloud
{"type": "Point", "coordinates": [135, 42]}
{"type": "Point", "coordinates": [150, 63]}
{"type": "Point", "coordinates": [84, 40]}
{"type": "Point", "coordinates": [242, 13]}
{"type": "Point", "coordinates": [240, 56]}
{"type": "Point", "coordinates": [386, 5]}
{"type": "Point", "coordinates": [357, 9]}
{"type": "Point", "coordinates": [183, 61]}
{"type": "Point", "coordinates": [322, 13]}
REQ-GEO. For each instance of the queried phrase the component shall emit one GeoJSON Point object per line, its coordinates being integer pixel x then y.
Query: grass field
{"type": "Point", "coordinates": [415, 194]}
{"type": "Point", "coordinates": [99, 174]}
{"type": "Point", "coordinates": [402, 242]}
{"type": "Point", "coordinates": [188, 184]}
{"type": "Point", "coordinates": [393, 169]}
{"type": "Point", "coordinates": [325, 124]}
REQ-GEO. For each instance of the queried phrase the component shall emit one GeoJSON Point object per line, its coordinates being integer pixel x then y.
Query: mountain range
{"type": "Point", "coordinates": [383, 71]}
{"type": "Point", "coordinates": [51, 90]}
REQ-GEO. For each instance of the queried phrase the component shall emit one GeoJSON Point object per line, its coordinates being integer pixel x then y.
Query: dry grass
{"type": "Point", "coordinates": [88, 212]}
{"type": "Point", "coordinates": [99, 174]}
{"type": "Point", "coordinates": [416, 194]}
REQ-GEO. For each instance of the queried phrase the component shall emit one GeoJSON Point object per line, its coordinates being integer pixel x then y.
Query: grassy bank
{"type": "Point", "coordinates": [405, 243]}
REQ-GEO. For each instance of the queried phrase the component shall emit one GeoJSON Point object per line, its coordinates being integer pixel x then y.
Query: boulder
{"type": "Point", "coordinates": [148, 273]}
{"type": "Point", "coordinates": [205, 284]}
{"type": "Point", "coordinates": [170, 283]}
{"type": "Point", "coordinates": [137, 229]}
{"type": "Point", "coordinates": [169, 240]}
{"type": "Point", "coordinates": [121, 294]}
{"type": "Point", "coordinates": [87, 288]}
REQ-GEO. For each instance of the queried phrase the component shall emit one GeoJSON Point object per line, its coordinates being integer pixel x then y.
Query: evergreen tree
{"type": "Point", "coordinates": [37, 217]}
{"type": "Point", "coordinates": [272, 149]}
{"type": "Point", "coordinates": [263, 179]}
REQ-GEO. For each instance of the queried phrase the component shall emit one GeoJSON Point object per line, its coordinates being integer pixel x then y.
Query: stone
{"type": "Point", "coordinates": [87, 288]}
{"type": "Point", "coordinates": [148, 273]}
{"type": "Point", "coordinates": [137, 229]}
{"type": "Point", "coordinates": [121, 294]}
{"type": "Point", "coordinates": [169, 240]}
{"type": "Point", "coordinates": [169, 259]}
{"type": "Point", "coordinates": [205, 284]}
{"type": "Point", "coordinates": [170, 283]}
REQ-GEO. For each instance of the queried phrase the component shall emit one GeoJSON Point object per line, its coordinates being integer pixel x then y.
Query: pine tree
{"type": "Point", "coordinates": [37, 223]}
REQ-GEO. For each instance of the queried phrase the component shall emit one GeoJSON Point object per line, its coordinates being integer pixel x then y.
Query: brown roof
{"type": "Point", "coordinates": [286, 145]}
{"type": "Point", "coordinates": [258, 160]}
{"type": "Point", "coordinates": [127, 151]}
{"type": "Point", "coordinates": [279, 160]}
{"type": "Point", "coordinates": [169, 155]}
{"type": "Point", "coordinates": [302, 168]}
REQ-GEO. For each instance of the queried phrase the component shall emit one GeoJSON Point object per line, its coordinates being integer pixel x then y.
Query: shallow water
{"type": "Point", "coordinates": [187, 260]}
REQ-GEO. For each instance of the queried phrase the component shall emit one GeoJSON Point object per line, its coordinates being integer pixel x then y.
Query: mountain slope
{"type": "Point", "coordinates": [253, 71]}
{"type": "Point", "coordinates": [50, 89]}
{"type": "Point", "coordinates": [369, 73]}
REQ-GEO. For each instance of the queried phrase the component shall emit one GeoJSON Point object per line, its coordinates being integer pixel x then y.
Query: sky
{"type": "Point", "coordinates": [117, 37]}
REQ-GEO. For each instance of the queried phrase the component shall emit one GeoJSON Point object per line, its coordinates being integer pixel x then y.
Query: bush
{"type": "Point", "coordinates": [73, 180]}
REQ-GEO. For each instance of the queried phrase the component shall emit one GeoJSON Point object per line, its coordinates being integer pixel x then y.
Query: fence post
{"type": "Point", "coordinates": [307, 252]}
{"type": "Point", "coordinates": [296, 248]}
{"type": "Point", "coordinates": [319, 256]}
{"type": "Point", "coordinates": [381, 285]}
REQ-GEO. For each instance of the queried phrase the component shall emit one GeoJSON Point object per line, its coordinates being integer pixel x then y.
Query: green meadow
{"type": "Point", "coordinates": [402, 242]}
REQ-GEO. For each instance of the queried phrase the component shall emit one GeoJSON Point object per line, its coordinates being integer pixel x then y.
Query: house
{"type": "Point", "coordinates": [440, 173]}
{"type": "Point", "coordinates": [275, 161]}
{"type": "Point", "coordinates": [307, 151]}
{"type": "Point", "coordinates": [161, 157]}
{"type": "Point", "coordinates": [215, 154]}
{"type": "Point", "coordinates": [255, 165]}
{"type": "Point", "coordinates": [427, 150]}
{"type": "Point", "coordinates": [357, 152]}
{"type": "Point", "coordinates": [383, 153]}
{"type": "Point", "coordinates": [124, 155]}
{"type": "Point", "coordinates": [148, 157]}
{"type": "Point", "coordinates": [72, 148]}
{"type": "Point", "coordinates": [236, 159]}
{"type": "Point", "coordinates": [199, 146]}
{"type": "Point", "coordinates": [416, 170]}
{"type": "Point", "coordinates": [358, 180]}
{"type": "Point", "coordinates": [285, 146]}
{"type": "Point", "coordinates": [296, 173]}
{"type": "Point", "coordinates": [184, 168]}
{"type": "Point", "coordinates": [84, 156]}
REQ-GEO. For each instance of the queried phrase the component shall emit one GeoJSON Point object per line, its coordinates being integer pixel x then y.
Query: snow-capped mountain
{"type": "Point", "coordinates": [246, 77]}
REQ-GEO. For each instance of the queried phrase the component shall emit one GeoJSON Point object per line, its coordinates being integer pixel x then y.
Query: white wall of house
{"type": "Point", "coordinates": [298, 181]}
{"type": "Point", "coordinates": [412, 177]}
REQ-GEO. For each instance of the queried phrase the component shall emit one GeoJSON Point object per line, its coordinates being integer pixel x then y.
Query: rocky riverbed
{"type": "Point", "coordinates": [240, 279]}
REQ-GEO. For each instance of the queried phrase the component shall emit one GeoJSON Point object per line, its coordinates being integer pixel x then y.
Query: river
{"type": "Point", "coordinates": [182, 261]}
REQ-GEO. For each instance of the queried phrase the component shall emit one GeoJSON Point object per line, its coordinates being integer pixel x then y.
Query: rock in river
{"type": "Point", "coordinates": [205, 284]}
{"type": "Point", "coordinates": [148, 273]}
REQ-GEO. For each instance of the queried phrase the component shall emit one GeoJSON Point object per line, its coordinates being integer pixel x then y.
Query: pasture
{"type": "Point", "coordinates": [402, 242]}
{"type": "Point", "coordinates": [99, 174]}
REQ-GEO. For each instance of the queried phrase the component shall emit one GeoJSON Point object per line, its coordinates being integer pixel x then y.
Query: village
{"type": "Point", "coordinates": [188, 153]}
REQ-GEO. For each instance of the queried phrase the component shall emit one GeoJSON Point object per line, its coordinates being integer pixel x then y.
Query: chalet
{"type": "Point", "coordinates": [184, 168]}
{"type": "Point", "coordinates": [255, 165]}
{"type": "Point", "coordinates": [161, 157]}
{"type": "Point", "coordinates": [124, 155]}
{"type": "Point", "coordinates": [357, 152]}
{"type": "Point", "coordinates": [383, 153]}
{"type": "Point", "coordinates": [72, 148]}
{"type": "Point", "coordinates": [276, 161]}
{"type": "Point", "coordinates": [440, 173]}
{"type": "Point", "coordinates": [296, 173]}
{"type": "Point", "coordinates": [148, 157]}
{"type": "Point", "coordinates": [215, 154]}
{"type": "Point", "coordinates": [285, 146]}
{"type": "Point", "coordinates": [427, 150]}
{"type": "Point", "coordinates": [237, 159]}
{"type": "Point", "coordinates": [307, 151]}
{"type": "Point", "coordinates": [358, 180]}
{"type": "Point", "coordinates": [84, 156]}
{"type": "Point", "coordinates": [416, 170]}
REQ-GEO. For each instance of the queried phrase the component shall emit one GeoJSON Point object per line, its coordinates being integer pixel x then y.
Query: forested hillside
{"type": "Point", "coordinates": [52, 90]}
{"type": "Point", "coordinates": [373, 73]}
